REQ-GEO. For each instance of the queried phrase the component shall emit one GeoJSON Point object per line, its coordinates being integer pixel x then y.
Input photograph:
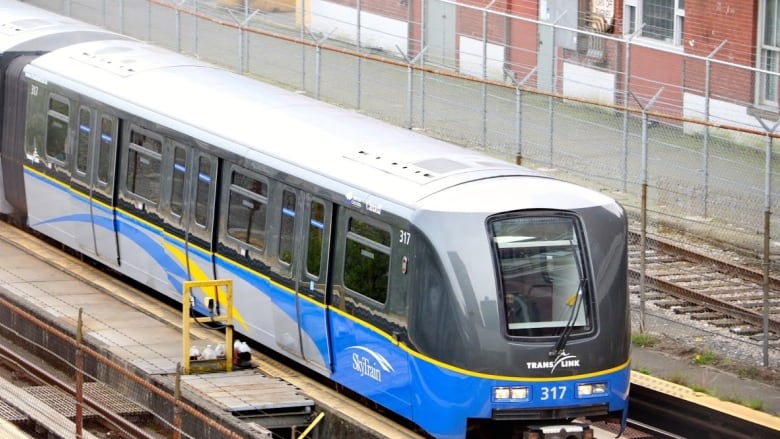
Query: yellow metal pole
{"type": "Point", "coordinates": [312, 425]}
{"type": "Point", "coordinates": [229, 328]}
{"type": "Point", "coordinates": [185, 328]}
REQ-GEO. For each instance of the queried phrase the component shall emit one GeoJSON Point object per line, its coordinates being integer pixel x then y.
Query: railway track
{"type": "Point", "coordinates": [704, 288]}
{"type": "Point", "coordinates": [42, 402]}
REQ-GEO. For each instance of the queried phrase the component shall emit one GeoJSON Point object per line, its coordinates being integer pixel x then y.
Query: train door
{"type": "Point", "coordinates": [93, 179]}
{"type": "Point", "coordinates": [313, 276]}
{"type": "Point", "coordinates": [198, 206]}
{"type": "Point", "coordinates": [304, 236]}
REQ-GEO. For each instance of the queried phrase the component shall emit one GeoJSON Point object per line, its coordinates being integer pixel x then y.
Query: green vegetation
{"type": "Point", "coordinates": [643, 340]}
{"type": "Point", "coordinates": [705, 358]}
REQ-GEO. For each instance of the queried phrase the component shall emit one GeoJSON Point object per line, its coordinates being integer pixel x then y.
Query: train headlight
{"type": "Point", "coordinates": [591, 389]}
{"type": "Point", "coordinates": [513, 393]}
{"type": "Point", "coordinates": [518, 392]}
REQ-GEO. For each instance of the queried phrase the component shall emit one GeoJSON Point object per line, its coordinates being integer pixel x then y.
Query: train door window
{"type": "Point", "coordinates": [367, 259]}
{"type": "Point", "coordinates": [106, 147]}
{"type": "Point", "coordinates": [542, 274]}
{"type": "Point", "coordinates": [144, 164]}
{"type": "Point", "coordinates": [247, 209]}
{"type": "Point", "coordinates": [202, 191]}
{"type": "Point", "coordinates": [315, 240]}
{"type": "Point", "coordinates": [82, 140]}
{"type": "Point", "coordinates": [178, 178]}
{"type": "Point", "coordinates": [287, 227]}
{"type": "Point", "coordinates": [57, 121]}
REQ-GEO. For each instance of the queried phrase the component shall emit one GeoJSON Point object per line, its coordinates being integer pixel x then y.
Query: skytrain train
{"type": "Point", "coordinates": [471, 296]}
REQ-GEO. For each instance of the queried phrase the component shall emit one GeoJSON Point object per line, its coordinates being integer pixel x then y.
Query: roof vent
{"type": "Point", "coordinates": [421, 172]}
{"type": "Point", "coordinates": [110, 60]}
{"type": "Point", "coordinates": [17, 26]}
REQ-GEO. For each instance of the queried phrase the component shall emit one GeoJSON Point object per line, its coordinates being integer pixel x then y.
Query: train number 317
{"type": "Point", "coordinates": [555, 392]}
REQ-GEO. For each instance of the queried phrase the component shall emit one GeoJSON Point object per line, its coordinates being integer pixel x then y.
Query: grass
{"type": "Point", "coordinates": [642, 370]}
{"type": "Point", "coordinates": [643, 340]}
{"type": "Point", "coordinates": [706, 358]}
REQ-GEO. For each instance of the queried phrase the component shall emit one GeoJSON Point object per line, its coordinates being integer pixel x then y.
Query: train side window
{"type": "Point", "coordinates": [143, 165]}
{"type": "Point", "coordinates": [314, 245]}
{"type": "Point", "coordinates": [82, 142]}
{"type": "Point", "coordinates": [287, 227]}
{"type": "Point", "coordinates": [178, 178]}
{"type": "Point", "coordinates": [367, 260]}
{"type": "Point", "coordinates": [247, 209]}
{"type": "Point", "coordinates": [202, 188]}
{"type": "Point", "coordinates": [106, 148]}
{"type": "Point", "coordinates": [57, 120]}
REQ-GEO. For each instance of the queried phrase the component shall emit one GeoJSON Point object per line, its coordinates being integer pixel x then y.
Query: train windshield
{"type": "Point", "coordinates": [542, 274]}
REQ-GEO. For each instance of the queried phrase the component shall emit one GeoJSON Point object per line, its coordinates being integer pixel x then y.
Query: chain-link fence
{"type": "Point", "coordinates": [681, 146]}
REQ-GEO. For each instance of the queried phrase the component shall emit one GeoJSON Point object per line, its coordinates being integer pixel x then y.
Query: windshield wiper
{"type": "Point", "coordinates": [560, 345]}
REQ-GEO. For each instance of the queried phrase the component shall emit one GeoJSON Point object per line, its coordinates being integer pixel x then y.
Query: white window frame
{"type": "Point", "coordinates": [762, 79]}
{"type": "Point", "coordinates": [636, 8]}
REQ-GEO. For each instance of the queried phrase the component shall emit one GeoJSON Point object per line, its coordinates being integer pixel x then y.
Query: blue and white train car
{"type": "Point", "coordinates": [25, 33]}
{"type": "Point", "coordinates": [466, 294]}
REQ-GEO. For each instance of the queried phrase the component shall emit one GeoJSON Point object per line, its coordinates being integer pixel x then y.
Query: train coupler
{"type": "Point", "coordinates": [563, 431]}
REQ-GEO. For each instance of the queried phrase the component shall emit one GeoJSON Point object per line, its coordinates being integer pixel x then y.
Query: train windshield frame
{"type": "Point", "coordinates": [542, 272]}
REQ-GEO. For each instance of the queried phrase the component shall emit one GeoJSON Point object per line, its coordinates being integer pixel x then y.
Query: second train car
{"type": "Point", "coordinates": [462, 292]}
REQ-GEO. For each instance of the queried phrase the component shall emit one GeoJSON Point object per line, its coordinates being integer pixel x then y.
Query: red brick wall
{"type": "Point", "coordinates": [707, 25]}
{"type": "Point", "coordinates": [523, 38]}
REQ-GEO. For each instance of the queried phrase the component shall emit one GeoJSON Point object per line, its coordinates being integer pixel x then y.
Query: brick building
{"type": "Point", "coordinates": [702, 58]}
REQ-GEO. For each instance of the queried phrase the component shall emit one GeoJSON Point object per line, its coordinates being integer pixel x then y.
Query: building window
{"type": "Point", "coordinates": [660, 20]}
{"type": "Point", "coordinates": [769, 56]}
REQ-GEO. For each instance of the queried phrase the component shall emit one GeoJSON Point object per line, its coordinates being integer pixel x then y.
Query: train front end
{"type": "Point", "coordinates": [520, 314]}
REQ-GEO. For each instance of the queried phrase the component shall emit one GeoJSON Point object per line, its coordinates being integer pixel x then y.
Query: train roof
{"type": "Point", "coordinates": [26, 28]}
{"type": "Point", "coordinates": [265, 123]}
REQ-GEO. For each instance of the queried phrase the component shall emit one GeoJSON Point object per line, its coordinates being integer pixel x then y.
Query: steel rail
{"type": "Point", "coordinates": [691, 295]}
{"type": "Point", "coordinates": [126, 428]}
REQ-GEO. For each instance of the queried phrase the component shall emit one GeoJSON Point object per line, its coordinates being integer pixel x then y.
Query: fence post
{"type": "Point", "coordinates": [303, 29]}
{"type": "Point", "coordinates": [409, 84]}
{"type": "Point", "coordinates": [423, 45]}
{"type": "Point", "coordinates": [358, 37]}
{"type": "Point", "coordinates": [177, 418]}
{"type": "Point", "coordinates": [196, 49]}
{"type": "Point", "coordinates": [79, 376]}
{"type": "Point", "coordinates": [243, 51]}
{"type": "Point", "coordinates": [318, 59]}
{"type": "Point", "coordinates": [484, 71]}
{"type": "Point", "coordinates": [643, 209]}
{"type": "Point", "coordinates": [626, 91]}
{"type": "Point", "coordinates": [121, 16]}
{"type": "Point", "coordinates": [519, 111]}
{"type": "Point", "coordinates": [767, 231]}
{"type": "Point", "coordinates": [706, 158]}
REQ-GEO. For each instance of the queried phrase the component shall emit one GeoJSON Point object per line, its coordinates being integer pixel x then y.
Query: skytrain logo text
{"type": "Point", "coordinates": [369, 363]}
